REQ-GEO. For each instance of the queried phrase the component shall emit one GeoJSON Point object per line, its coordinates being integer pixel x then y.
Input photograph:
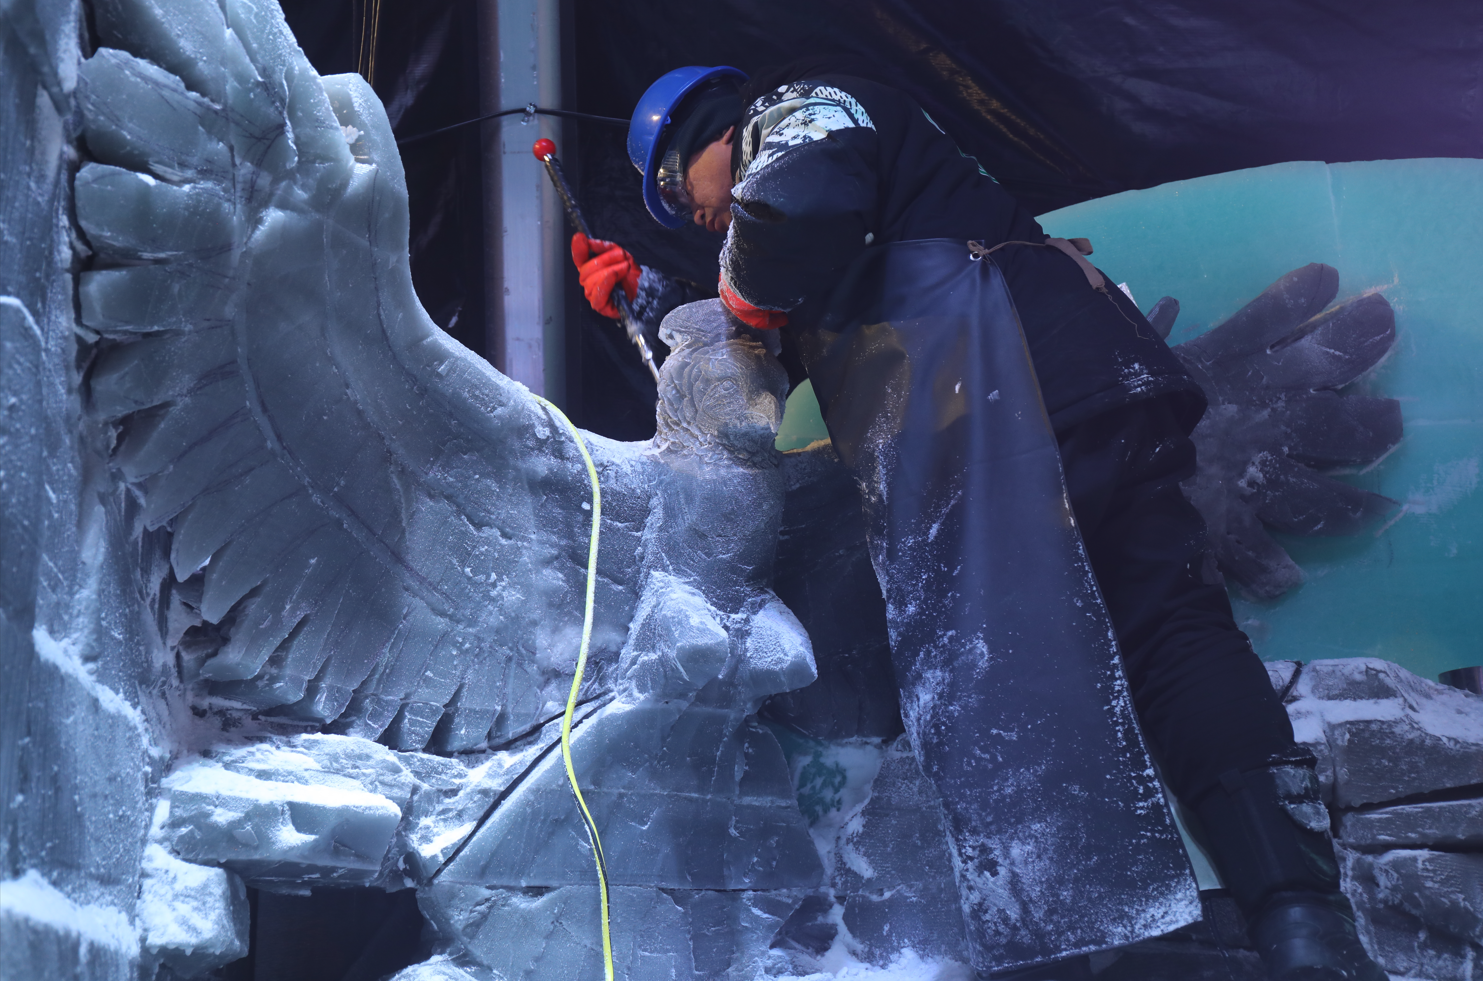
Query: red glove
{"type": "Point", "coordinates": [601, 266]}
{"type": "Point", "coordinates": [748, 314]}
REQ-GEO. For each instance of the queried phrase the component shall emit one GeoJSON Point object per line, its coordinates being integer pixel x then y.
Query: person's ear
{"type": "Point", "coordinates": [725, 138]}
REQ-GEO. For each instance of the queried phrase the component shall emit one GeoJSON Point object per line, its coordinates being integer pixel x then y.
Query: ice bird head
{"type": "Point", "coordinates": [722, 389]}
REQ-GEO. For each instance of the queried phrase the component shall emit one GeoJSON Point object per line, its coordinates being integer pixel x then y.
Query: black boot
{"type": "Point", "coordinates": [1268, 833]}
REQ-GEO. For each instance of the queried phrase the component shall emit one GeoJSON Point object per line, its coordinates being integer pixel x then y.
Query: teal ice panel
{"type": "Point", "coordinates": [1411, 592]}
{"type": "Point", "coordinates": [802, 423]}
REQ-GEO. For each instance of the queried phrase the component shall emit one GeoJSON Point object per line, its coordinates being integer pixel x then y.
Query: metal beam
{"type": "Point", "coordinates": [524, 235]}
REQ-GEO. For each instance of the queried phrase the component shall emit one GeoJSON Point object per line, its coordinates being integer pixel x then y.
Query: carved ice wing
{"type": "Point", "coordinates": [1276, 419]}
{"type": "Point", "coordinates": [387, 535]}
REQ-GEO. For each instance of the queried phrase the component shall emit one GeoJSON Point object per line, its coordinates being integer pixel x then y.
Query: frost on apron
{"type": "Point", "coordinates": [1012, 689]}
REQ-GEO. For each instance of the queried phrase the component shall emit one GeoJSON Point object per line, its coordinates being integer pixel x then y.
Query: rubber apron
{"type": "Point", "coordinates": [1011, 684]}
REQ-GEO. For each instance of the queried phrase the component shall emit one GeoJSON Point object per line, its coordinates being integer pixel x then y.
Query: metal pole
{"type": "Point", "coordinates": [523, 227]}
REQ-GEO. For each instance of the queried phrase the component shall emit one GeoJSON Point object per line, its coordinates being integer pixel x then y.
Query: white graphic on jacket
{"type": "Point", "coordinates": [794, 115]}
{"type": "Point", "coordinates": [784, 119]}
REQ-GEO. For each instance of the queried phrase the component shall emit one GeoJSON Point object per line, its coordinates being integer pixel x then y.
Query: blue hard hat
{"type": "Point", "coordinates": [651, 118]}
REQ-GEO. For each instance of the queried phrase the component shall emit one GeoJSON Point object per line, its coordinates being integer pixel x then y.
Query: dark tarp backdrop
{"type": "Point", "coordinates": [1061, 100]}
{"type": "Point", "coordinates": [426, 71]}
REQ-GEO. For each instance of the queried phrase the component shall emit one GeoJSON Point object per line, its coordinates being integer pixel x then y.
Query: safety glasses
{"type": "Point", "coordinates": [670, 180]}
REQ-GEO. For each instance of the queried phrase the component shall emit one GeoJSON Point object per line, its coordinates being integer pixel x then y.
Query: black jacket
{"type": "Point", "coordinates": [834, 165]}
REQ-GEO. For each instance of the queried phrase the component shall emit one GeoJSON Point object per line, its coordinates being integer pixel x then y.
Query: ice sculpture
{"type": "Point", "coordinates": [691, 795]}
{"type": "Point", "coordinates": [1272, 374]}
{"type": "Point", "coordinates": [339, 569]}
{"type": "Point", "coordinates": [374, 533]}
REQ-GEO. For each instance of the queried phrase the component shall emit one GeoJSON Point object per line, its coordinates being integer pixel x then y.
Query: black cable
{"type": "Point", "coordinates": [530, 110]}
{"type": "Point", "coordinates": [610, 120]}
{"type": "Point", "coordinates": [510, 788]}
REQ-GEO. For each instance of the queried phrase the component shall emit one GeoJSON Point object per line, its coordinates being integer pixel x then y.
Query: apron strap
{"type": "Point", "coordinates": [1077, 248]}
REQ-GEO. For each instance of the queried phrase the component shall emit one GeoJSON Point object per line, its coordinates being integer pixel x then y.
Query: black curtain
{"type": "Point", "coordinates": [425, 68]}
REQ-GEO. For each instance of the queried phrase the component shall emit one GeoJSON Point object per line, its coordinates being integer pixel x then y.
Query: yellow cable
{"type": "Point", "coordinates": [370, 34]}
{"type": "Point", "coordinates": [375, 40]}
{"type": "Point", "coordinates": [571, 699]}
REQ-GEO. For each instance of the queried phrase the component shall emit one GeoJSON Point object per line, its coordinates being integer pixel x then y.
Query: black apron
{"type": "Point", "coordinates": [1011, 685]}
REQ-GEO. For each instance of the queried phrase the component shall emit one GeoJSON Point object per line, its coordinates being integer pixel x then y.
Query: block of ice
{"type": "Point", "coordinates": [1419, 912]}
{"type": "Point", "coordinates": [1381, 733]}
{"type": "Point", "coordinates": [392, 531]}
{"type": "Point", "coordinates": [194, 918]}
{"type": "Point", "coordinates": [892, 864]}
{"type": "Point", "coordinates": [1383, 737]}
{"type": "Point", "coordinates": [437, 600]}
{"type": "Point", "coordinates": [658, 935]}
{"type": "Point", "coordinates": [43, 933]}
{"type": "Point", "coordinates": [389, 536]}
{"type": "Point", "coordinates": [319, 810]}
{"type": "Point", "coordinates": [686, 791]}
{"type": "Point", "coordinates": [525, 935]}
{"type": "Point", "coordinates": [438, 968]}
{"type": "Point", "coordinates": [1452, 824]}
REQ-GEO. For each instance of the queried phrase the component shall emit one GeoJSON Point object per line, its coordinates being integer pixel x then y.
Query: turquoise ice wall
{"type": "Point", "coordinates": [1412, 229]}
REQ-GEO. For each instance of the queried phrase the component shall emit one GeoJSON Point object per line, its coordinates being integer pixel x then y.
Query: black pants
{"type": "Point", "coordinates": [1203, 696]}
